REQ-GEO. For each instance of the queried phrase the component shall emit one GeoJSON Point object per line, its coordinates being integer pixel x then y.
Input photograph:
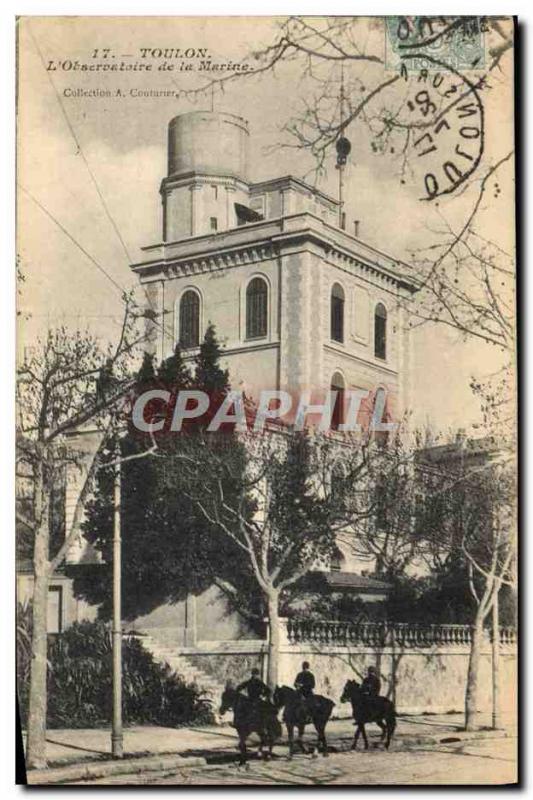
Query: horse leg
{"type": "Point", "coordinates": [267, 755]}
{"type": "Point", "coordinates": [391, 725]}
{"type": "Point", "coordinates": [290, 736]}
{"type": "Point", "coordinates": [301, 745]}
{"type": "Point", "coordinates": [383, 727]}
{"type": "Point", "coordinates": [321, 730]}
{"type": "Point", "coordinates": [242, 750]}
{"type": "Point", "coordinates": [356, 737]}
{"type": "Point", "coordinates": [363, 731]}
{"type": "Point", "coordinates": [301, 729]}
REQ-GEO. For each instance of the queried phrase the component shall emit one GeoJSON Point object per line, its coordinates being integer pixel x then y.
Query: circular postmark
{"type": "Point", "coordinates": [450, 138]}
{"type": "Point", "coordinates": [444, 122]}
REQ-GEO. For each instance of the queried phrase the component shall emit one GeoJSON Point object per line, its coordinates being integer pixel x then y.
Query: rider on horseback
{"type": "Point", "coordinates": [304, 684]}
{"type": "Point", "coordinates": [255, 688]}
{"type": "Point", "coordinates": [257, 691]}
{"type": "Point", "coordinates": [371, 685]}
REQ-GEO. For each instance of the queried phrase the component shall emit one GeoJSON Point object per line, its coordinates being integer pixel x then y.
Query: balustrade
{"type": "Point", "coordinates": [380, 634]}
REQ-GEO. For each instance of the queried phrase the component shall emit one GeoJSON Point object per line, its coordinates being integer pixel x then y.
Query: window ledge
{"type": "Point", "coordinates": [256, 338]}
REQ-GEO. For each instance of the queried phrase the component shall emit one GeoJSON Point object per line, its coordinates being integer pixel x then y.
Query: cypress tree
{"type": "Point", "coordinates": [173, 372]}
{"type": "Point", "coordinates": [209, 375]}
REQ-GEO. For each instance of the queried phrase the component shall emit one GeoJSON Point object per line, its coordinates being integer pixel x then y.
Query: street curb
{"type": "Point", "coordinates": [102, 769]}
{"type": "Point", "coordinates": [453, 737]}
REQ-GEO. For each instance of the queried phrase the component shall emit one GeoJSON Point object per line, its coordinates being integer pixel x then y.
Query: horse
{"type": "Point", "coordinates": [251, 717]}
{"type": "Point", "coordinates": [365, 709]}
{"type": "Point", "coordinates": [299, 713]}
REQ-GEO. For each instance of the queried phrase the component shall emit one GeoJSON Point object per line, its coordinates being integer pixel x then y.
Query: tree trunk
{"type": "Point", "coordinates": [472, 681]}
{"type": "Point", "coordinates": [496, 711]}
{"type": "Point", "coordinates": [273, 640]}
{"type": "Point", "coordinates": [36, 741]}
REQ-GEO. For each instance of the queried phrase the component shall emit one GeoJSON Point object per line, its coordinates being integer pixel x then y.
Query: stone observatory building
{"type": "Point", "coordinates": [298, 303]}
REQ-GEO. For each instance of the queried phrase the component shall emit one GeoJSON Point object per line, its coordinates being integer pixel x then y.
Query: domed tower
{"type": "Point", "coordinates": [207, 174]}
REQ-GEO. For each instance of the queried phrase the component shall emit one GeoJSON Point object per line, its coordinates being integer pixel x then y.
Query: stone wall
{"type": "Point", "coordinates": [422, 669]}
{"type": "Point", "coordinates": [418, 680]}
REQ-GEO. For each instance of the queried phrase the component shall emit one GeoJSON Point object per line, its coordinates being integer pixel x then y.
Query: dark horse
{"type": "Point", "coordinates": [369, 709]}
{"type": "Point", "coordinates": [316, 709]}
{"type": "Point", "coordinates": [251, 717]}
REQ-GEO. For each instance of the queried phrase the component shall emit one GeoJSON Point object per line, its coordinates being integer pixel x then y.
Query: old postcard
{"type": "Point", "coordinates": [266, 414]}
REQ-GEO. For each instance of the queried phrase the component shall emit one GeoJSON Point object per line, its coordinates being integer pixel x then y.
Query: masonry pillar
{"type": "Point", "coordinates": [190, 621]}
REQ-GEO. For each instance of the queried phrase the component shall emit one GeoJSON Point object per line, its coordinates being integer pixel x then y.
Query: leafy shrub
{"type": "Point", "coordinates": [80, 684]}
{"type": "Point", "coordinates": [24, 623]}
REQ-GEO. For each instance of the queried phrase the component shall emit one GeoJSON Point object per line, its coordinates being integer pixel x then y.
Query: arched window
{"type": "Point", "coordinates": [380, 331]}
{"type": "Point", "coordinates": [256, 308]}
{"type": "Point", "coordinates": [189, 319]}
{"type": "Point", "coordinates": [337, 313]}
{"type": "Point", "coordinates": [337, 385]}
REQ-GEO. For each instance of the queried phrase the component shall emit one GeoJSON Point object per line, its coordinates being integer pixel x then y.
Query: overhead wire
{"type": "Point", "coordinates": [79, 150]}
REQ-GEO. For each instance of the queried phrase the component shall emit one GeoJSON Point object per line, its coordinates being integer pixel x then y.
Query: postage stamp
{"type": "Point", "coordinates": [457, 41]}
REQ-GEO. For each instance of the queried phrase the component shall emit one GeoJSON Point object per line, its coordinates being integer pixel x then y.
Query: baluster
{"type": "Point", "coordinates": [356, 633]}
{"type": "Point", "coordinates": [290, 630]}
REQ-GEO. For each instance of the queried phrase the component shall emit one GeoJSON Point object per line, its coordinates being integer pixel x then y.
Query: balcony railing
{"type": "Point", "coordinates": [381, 634]}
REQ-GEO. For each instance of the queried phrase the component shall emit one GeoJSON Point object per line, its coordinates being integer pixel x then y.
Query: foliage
{"type": "Point", "coordinates": [169, 549]}
{"type": "Point", "coordinates": [80, 683]}
{"type": "Point", "coordinates": [318, 601]}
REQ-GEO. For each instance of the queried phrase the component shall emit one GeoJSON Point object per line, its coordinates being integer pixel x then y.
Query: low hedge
{"type": "Point", "coordinates": [80, 683]}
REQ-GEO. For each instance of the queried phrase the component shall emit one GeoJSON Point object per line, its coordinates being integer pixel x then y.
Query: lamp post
{"type": "Point", "coordinates": [343, 147]}
{"type": "Point", "coordinates": [116, 733]}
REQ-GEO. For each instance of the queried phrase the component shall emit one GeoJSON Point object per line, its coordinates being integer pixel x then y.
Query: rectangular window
{"type": "Point", "coordinates": [54, 611]}
{"type": "Point", "coordinates": [214, 224]}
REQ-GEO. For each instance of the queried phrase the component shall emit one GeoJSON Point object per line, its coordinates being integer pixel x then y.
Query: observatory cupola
{"type": "Point", "coordinates": [207, 175]}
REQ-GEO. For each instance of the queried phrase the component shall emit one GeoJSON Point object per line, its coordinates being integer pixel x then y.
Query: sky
{"type": "Point", "coordinates": [123, 142]}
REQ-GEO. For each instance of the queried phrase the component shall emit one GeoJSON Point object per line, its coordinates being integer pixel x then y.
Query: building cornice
{"type": "Point", "coordinates": [192, 179]}
{"type": "Point", "coordinates": [288, 182]}
{"type": "Point", "coordinates": [373, 363]}
{"type": "Point", "coordinates": [269, 239]}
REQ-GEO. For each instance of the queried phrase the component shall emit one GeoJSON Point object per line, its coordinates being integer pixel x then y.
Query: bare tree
{"type": "Point", "coordinates": [469, 513]}
{"type": "Point", "coordinates": [488, 544]}
{"type": "Point", "coordinates": [65, 382]}
{"type": "Point", "coordinates": [389, 537]}
{"type": "Point", "coordinates": [283, 512]}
